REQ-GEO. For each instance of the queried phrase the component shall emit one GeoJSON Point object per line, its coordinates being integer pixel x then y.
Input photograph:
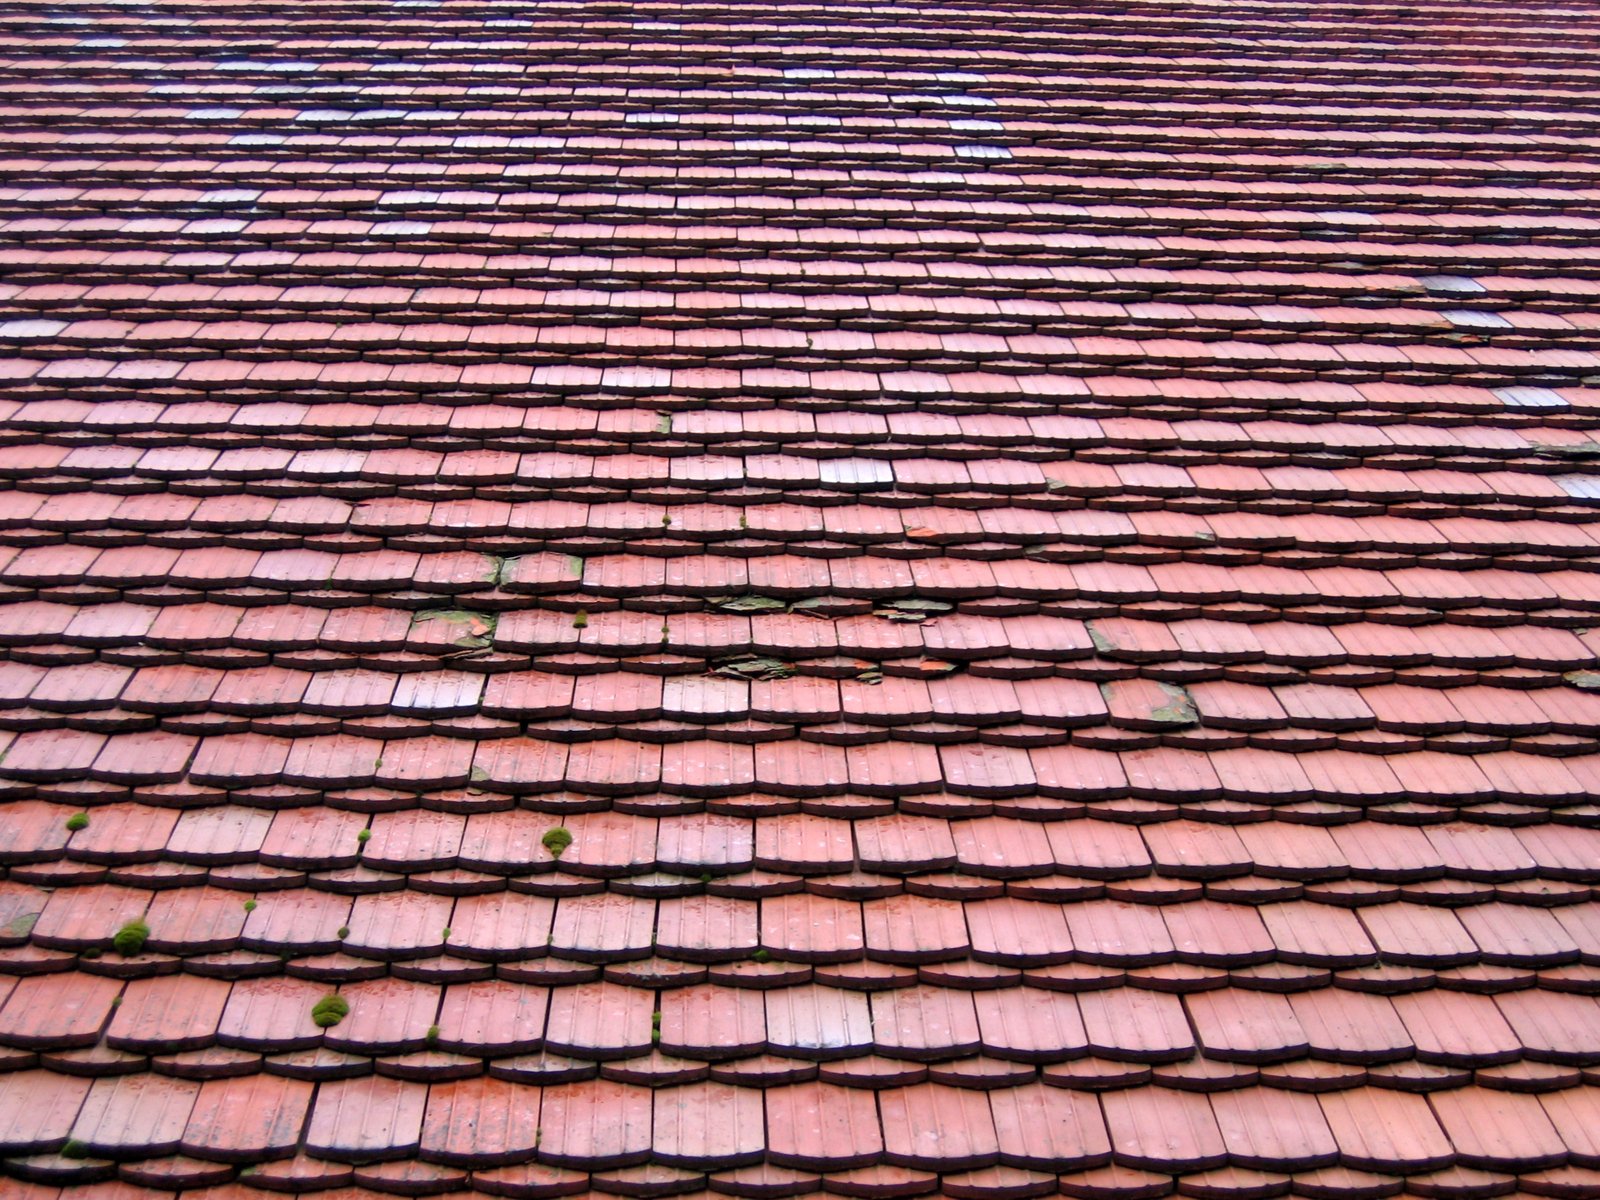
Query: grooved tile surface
{"type": "Point", "coordinates": [763, 600]}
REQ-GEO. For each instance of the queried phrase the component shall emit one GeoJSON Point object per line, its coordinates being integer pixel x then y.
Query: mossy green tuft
{"type": "Point", "coordinates": [130, 939]}
{"type": "Point", "coordinates": [330, 1010]}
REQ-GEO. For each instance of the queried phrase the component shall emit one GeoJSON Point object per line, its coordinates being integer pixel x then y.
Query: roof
{"type": "Point", "coordinates": [773, 599]}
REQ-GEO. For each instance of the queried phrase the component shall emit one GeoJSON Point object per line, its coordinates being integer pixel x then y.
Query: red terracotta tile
{"type": "Point", "coordinates": [248, 1119]}
{"type": "Point", "coordinates": [1018, 933]}
{"type": "Point", "coordinates": [595, 1125]}
{"type": "Point", "coordinates": [893, 769]}
{"type": "Point", "coordinates": [1497, 1130]}
{"type": "Point", "coordinates": [1203, 719]}
{"type": "Point", "coordinates": [807, 928]}
{"type": "Point", "coordinates": [1164, 1130]}
{"type": "Point", "coordinates": [195, 920]}
{"type": "Point", "coordinates": [902, 842]}
{"type": "Point", "coordinates": [125, 833]}
{"type": "Point", "coordinates": [818, 1022]}
{"type": "Point", "coordinates": [59, 1010]}
{"type": "Point", "coordinates": [1214, 934]}
{"type": "Point", "coordinates": [398, 925]}
{"type": "Point", "coordinates": [385, 1016]}
{"type": "Point", "coordinates": [712, 1022]}
{"type": "Point", "coordinates": [1049, 1129]}
{"type": "Point", "coordinates": [1551, 1026]}
{"type": "Point", "coordinates": [313, 838]}
{"type": "Point", "coordinates": [803, 843]}
{"type": "Point", "coordinates": [52, 754]}
{"type": "Point", "coordinates": [1383, 1130]}
{"type": "Point", "coordinates": [914, 929]}
{"type": "Point", "coordinates": [938, 1128]}
{"type": "Point", "coordinates": [168, 1013]}
{"type": "Point", "coordinates": [218, 835]}
{"type": "Point", "coordinates": [1238, 1025]}
{"type": "Point", "coordinates": [501, 926]}
{"type": "Point", "coordinates": [153, 757]}
{"type": "Point", "coordinates": [1000, 846]}
{"type": "Point", "coordinates": [332, 760]}
{"type": "Point", "coordinates": [613, 767]}
{"type": "Point", "coordinates": [1098, 849]}
{"type": "Point", "coordinates": [1134, 1025]}
{"type": "Point", "coordinates": [794, 768]}
{"type": "Point", "coordinates": [271, 1014]}
{"type": "Point", "coordinates": [1417, 934]}
{"type": "Point", "coordinates": [1118, 933]}
{"type": "Point", "coordinates": [603, 927]}
{"type": "Point", "coordinates": [1572, 1111]}
{"type": "Point", "coordinates": [817, 1126]}
{"type": "Point", "coordinates": [1317, 934]}
{"type": "Point", "coordinates": [492, 1017]}
{"type": "Point", "coordinates": [1030, 1026]}
{"type": "Point", "coordinates": [37, 1110]}
{"type": "Point", "coordinates": [599, 1020]}
{"type": "Point", "coordinates": [296, 921]}
{"type": "Point", "coordinates": [370, 1119]}
{"type": "Point", "coordinates": [135, 1115]}
{"type": "Point", "coordinates": [1274, 1130]}
{"type": "Point", "coordinates": [481, 1122]}
{"type": "Point", "coordinates": [706, 928]}
{"type": "Point", "coordinates": [1348, 1026]}
{"type": "Point", "coordinates": [924, 1023]}
{"type": "Point", "coordinates": [413, 841]}
{"type": "Point", "coordinates": [708, 1126]}
{"type": "Point", "coordinates": [1457, 1028]}
{"type": "Point", "coordinates": [417, 764]}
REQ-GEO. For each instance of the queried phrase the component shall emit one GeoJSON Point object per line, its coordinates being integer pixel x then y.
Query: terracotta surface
{"type": "Point", "coordinates": [1041, 559]}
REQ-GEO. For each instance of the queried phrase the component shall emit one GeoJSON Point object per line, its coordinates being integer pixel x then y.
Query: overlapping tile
{"type": "Point", "coordinates": [751, 601]}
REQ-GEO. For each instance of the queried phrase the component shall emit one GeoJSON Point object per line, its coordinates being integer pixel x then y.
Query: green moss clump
{"type": "Point", "coordinates": [556, 841]}
{"type": "Point", "coordinates": [77, 821]}
{"type": "Point", "coordinates": [130, 939]}
{"type": "Point", "coordinates": [330, 1010]}
{"type": "Point", "coordinates": [74, 1149]}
